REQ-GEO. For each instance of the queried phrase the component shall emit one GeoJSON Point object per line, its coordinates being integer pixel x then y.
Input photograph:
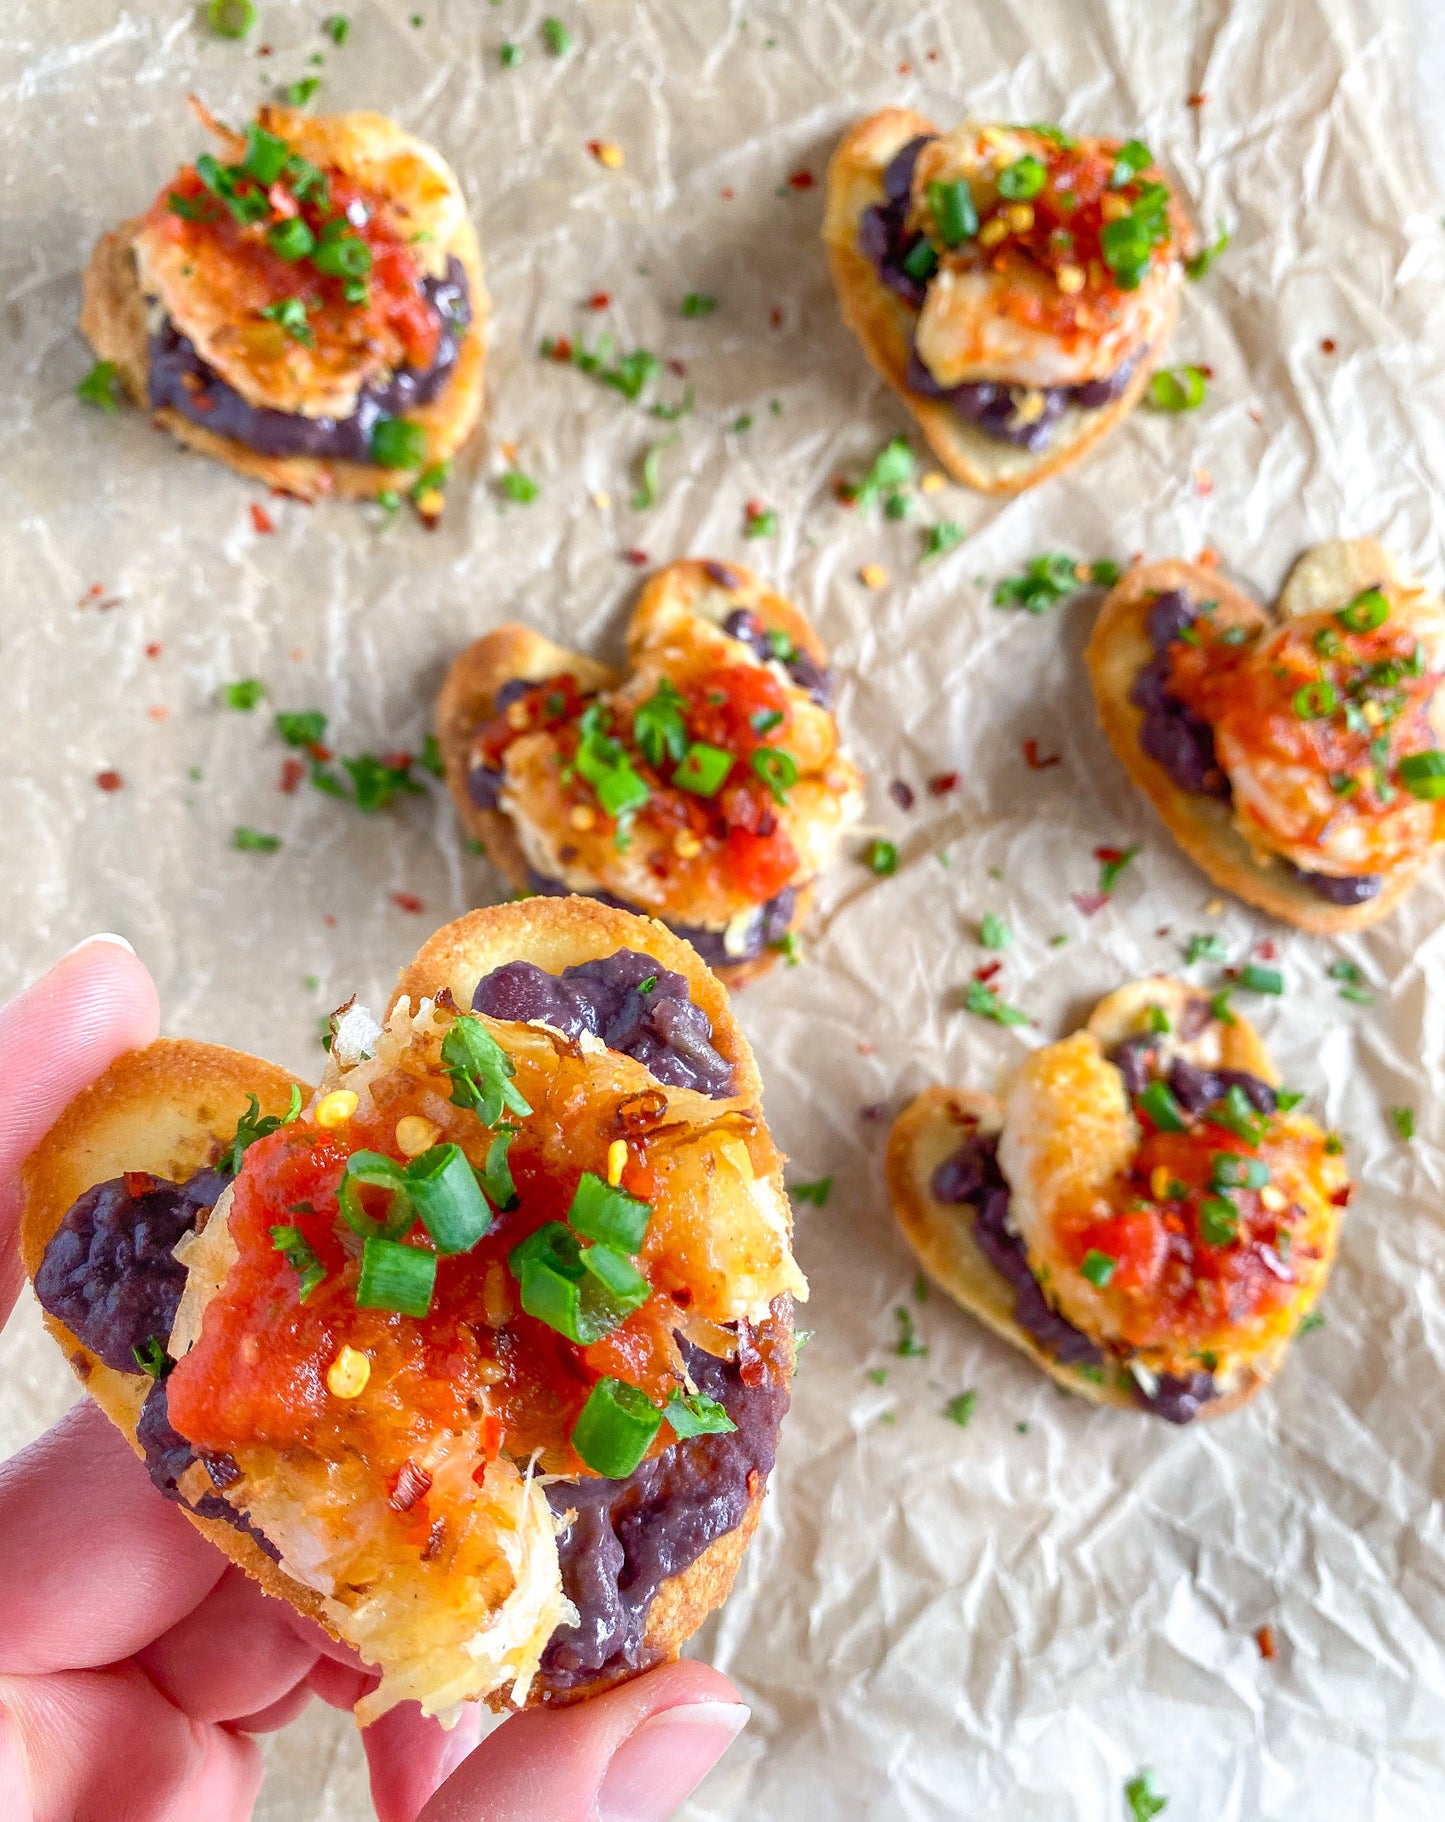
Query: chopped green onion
{"type": "Point", "coordinates": [1316, 700]}
{"type": "Point", "coordinates": [1219, 1007]}
{"type": "Point", "coordinates": [298, 1253]}
{"type": "Point", "coordinates": [993, 932]}
{"type": "Point", "coordinates": [695, 1414]}
{"type": "Point", "coordinates": [984, 1002]}
{"type": "Point", "coordinates": [398, 443]}
{"type": "Point", "coordinates": [1368, 610]}
{"type": "Point", "coordinates": [297, 94]}
{"type": "Point", "coordinates": [253, 841]}
{"type": "Point", "coordinates": [1254, 979]}
{"type": "Point", "coordinates": [760, 524]}
{"type": "Point", "coordinates": [1287, 1099]}
{"type": "Point", "coordinates": [443, 1189]}
{"type": "Point", "coordinates": [781, 644]}
{"type": "Point", "coordinates": [909, 1346]}
{"type": "Point", "coordinates": [960, 1410]}
{"type": "Point", "coordinates": [1205, 949]}
{"type": "Point", "coordinates": [151, 1358]}
{"type": "Point", "coordinates": [920, 261]}
{"type": "Point", "coordinates": [341, 255]}
{"type": "Point", "coordinates": [558, 38]}
{"type": "Point", "coordinates": [230, 18]}
{"type": "Point", "coordinates": [1218, 1221]}
{"type": "Point", "coordinates": [1343, 784]}
{"type": "Point", "coordinates": [1022, 180]}
{"type": "Point", "coordinates": [266, 156]}
{"type": "Point", "coordinates": [1109, 870]}
{"type": "Point", "coordinates": [1196, 266]}
{"type": "Point", "coordinates": [581, 1292]}
{"type": "Point", "coordinates": [1236, 1114]}
{"type": "Point", "coordinates": [377, 1171]}
{"type": "Point", "coordinates": [600, 1211]}
{"type": "Point", "coordinates": [480, 1072]}
{"type": "Point", "coordinates": [337, 28]}
{"type": "Point", "coordinates": [1423, 775]}
{"type": "Point", "coordinates": [243, 695]}
{"type": "Point", "coordinates": [1162, 1110]}
{"type": "Point", "coordinates": [1131, 158]}
{"type": "Point", "coordinates": [496, 1177]}
{"type": "Point", "coordinates": [766, 720]}
{"type": "Point", "coordinates": [1156, 1020]}
{"type": "Point", "coordinates": [1327, 642]}
{"type": "Point", "coordinates": [1143, 1803]}
{"type": "Point", "coordinates": [881, 857]}
{"type": "Point", "coordinates": [777, 769]}
{"type": "Point", "coordinates": [891, 469]}
{"type": "Point", "coordinates": [98, 386]}
{"type": "Point", "coordinates": [510, 56]}
{"type": "Point", "coordinates": [520, 488]}
{"type": "Point", "coordinates": [1227, 1170]}
{"type": "Point", "coordinates": [301, 727]}
{"type": "Point", "coordinates": [396, 1277]}
{"type": "Point", "coordinates": [659, 725]}
{"type": "Point", "coordinates": [940, 539]}
{"type": "Point", "coordinates": [189, 208]}
{"type": "Point", "coordinates": [817, 1193]}
{"type": "Point", "coordinates": [290, 314]}
{"type": "Point", "coordinates": [616, 1428]}
{"type": "Point", "coordinates": [1098, 1267]}
{"type": "Point", "coordinates": [954, 214]}
{"type": "Point", "coordinates": [1404, 1121]}
{"type": "Point", "coordinates": [703, 769]}
{"type": "Point", "coordinates": [698, 303]}
{"type": "Point", "coordinates": [1177, 388]}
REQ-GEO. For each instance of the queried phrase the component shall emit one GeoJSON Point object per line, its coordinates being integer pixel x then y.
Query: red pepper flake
{"type": "Point", "coordinates": [1266, 951]}
{"type": "Point", "coordinates": [875, 1112]}
{"type": "Point", "coordinates": [1036, 761]}
{"type": "Point", "coordinates": [843, 492]}
{"type": "Point", "coordinates": [95, 589]}
{"type": "Point", "coordinates": [801, 180]}
{"type": "Point", "coordinates": [728, 194]}
{"type": "Point", "coordinates": [902, 794]}
{"type": "Point", "coordinates": [263, 50]}
{"type": "Point", "coordinates": [599, 300]}
{"type": "Point", "coordinates": [157, 712]}
{"type": "Point", "coordinates": [1090, 903]}
{"type": "Point", "coordinates": [329, 919]}
{"type": "Point", "coordinates": [1197, 99]}
{"type": "Point", "coordinates": [408, 901]}
{"type": "Point", "coordinates": [987, 971]}
{"type": "Point", "coordinates": [867, 1050]}
{"type": "Point", "coordinates": [138, 1182]}
{"type": "Point", "coordinates": [154, 649]}
{"type": "Point", "coordinates": [1328, 345]}
{"type": "Point", "coordinates": [678, 367]}
{"type": "Point", "coordinates": [775, 317]}
{"type": "Point", "coordinates": [561, 350]}
{"type": "Point", "coordinates": [109, 781]}
{"type": "Point", "coordinates": [1341, 1197]}
{"type": "Point", "coordinates": [1264, 1638]}
{"type": "Point", "coordinates": [1107, 856]}
{"type": "Point", "coordinates": [296, 654]}
{"type": "Point", "coordinates": [411, 1482]}
{"type": "Point", "coordinates": [1255, 415]}
{"type": "Point", "coordinates": [1208, 558]}
{"type": "Point", "coordinates": [292, 772]}
{"type": "Point", "coordinates": [942, 783]}
{"type": "Point", "coordinates": [1164, 930]}
{"type": "Point", "coordinates": [262, 519]}
{"type": "Point", "coordinates": [1203, 483]}
{"type": "Point", "coordinates": [637, 558]}
{"type": "Point", "coordinates": [933, 56]}
{"type": "Point", "coordinates": [904, 68]}
{"type": "Point", "coordinates": [399, 762]}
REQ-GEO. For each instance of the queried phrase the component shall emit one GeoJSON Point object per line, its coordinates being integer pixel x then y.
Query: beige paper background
{"type": "Point", "coordinates": [933, 1622]}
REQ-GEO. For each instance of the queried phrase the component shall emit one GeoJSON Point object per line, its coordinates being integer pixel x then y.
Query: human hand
{"type": "Point", "coordinates": [137, 1664]}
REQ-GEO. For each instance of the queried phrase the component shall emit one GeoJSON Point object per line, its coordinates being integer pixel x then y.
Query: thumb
{"type": "Point", "coordinates": [631, 1755]}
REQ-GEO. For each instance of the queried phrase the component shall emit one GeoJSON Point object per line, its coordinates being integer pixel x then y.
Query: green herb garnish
{"type": "Point", "coordinates": [253, 1125]}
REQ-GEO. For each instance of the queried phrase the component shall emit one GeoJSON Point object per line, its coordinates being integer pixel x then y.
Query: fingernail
{"type": "Point", "coordinates": [666, 1759]}
{"type": "Point", "coordinates": [101, 936]}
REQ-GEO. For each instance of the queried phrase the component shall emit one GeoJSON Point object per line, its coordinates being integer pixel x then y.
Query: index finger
{"type": "Point", "coordinates": [55, 1038]}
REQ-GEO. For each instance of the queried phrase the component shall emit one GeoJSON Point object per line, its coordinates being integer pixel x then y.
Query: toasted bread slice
{"type": "Point", "coordinates": [884, 325]}
{"type": "Point", "coordinates": [113, 316]}
{"type": "Point", "coordinates": [468, 695]}
{"type": "Point", "coordinates": [171, 1108]}
{"type": "Point", "coordinates": [934, 1125]}
{"type": "Point", "coordinates": [1327, 576]}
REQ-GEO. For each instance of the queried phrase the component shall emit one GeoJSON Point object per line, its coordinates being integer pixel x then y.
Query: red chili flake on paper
{"type": "Point", "coordinates": [561, 349]}
{"type": "Point", "coordinates": [933, 56]}
{"type": "Point", "coordinates": [154, 649]}
{"type": "Point", "coordinates": [843, 492]}
{"type": "Point", "coordinates": [262, 519]}
{"type": "Point", "coordinates": [678, 367]}
{"type": "Point", "coordinates": [867, 1050]}
{"type": "Point", "coordinates": [408, 901]}
{"type": "Point", "coordinates": [775, 317]}
{"type": "Point", "coordinates": [1164, 930]}
{"type": "Point", "coordinates": [1090, 903]}
{"type": "Point", "coordinates": [1208, 558]}
{"type": "Point", "coordinates": [1255, 415]}
{"type": "Point", "coordinates": [801, 180]}
{"type": "Point", "coordinates": [157, 712]}
{"type": "Point", "coordinates": [1266, 951]}
{"type": "Point", "coordinates": [263, 50]}
{"type": "Point", "coordinates": [329, 920]}
{"type": "Point", "coordinates": [109, 781]}
{"type": "Point", "coordinates": [904, 68]}
{"type": "Point", "coordinates": [1197, 99]}
{"type": "Point", "coordinates": [1107, 856]}
{"type": "Point", "coordinates": [399, 762]}
{"type": "Point", "coordinates": [96, 588]}
{"type": "Point", "coordinates": [637, 558]}
{"type": "Point", "coordinates": [1036, 761]}
{"type": "Point", "coordinates": [599, 300]}
{"type": "Point", "coordinates": [874, 1112]}
{"type": "Point", "coordinates": [1203, 483]}
{"type": "Point", "coordinates": [728, 194]}
{"type": "Point", "coordinates": [902, 794]}
{"type": "Point", "coordinates": [292, 772]}
{"type": "Point", "coordinates": [1264, 1638]}
{"type": "Point", "coordinates": [1328, 345]}
{"type": "Point", "coordinates": [1341, 1197]}
{"type": "Point", "coordinates": [942, 783]}
{"type": "Point", "coordinates": [987, 971]}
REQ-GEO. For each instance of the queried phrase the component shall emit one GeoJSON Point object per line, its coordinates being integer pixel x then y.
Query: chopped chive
{"type": "Point", "coordinates": [602, 1212]}
{"type": "Point", "coordinates": [1236, 1114]}
{"type": "Point", "coordinates": [993, 932]}
{"type": "Point", "coordinates": [1254, 979]}
{"type": "Point", "coordinates": [1404, 1121]}
{"type": "Point", "coordinates": [1022, 180]}
{"type": "Point", "coordinates": [1316, 700]}
{"type": "Point", "coordinates": [703, 770]}
{"type": "Point", "coordinates": [984, 1002]}
{"type": "Point", "coordinates": [556, 36]}
{"type": "Point", "coordinates": [99, 386]}
{"type": "Point", "coordinates": [817, 1192]}
{"type": "Point", "coordinates": [777, 769]}
{"type": "Point", "coordinates": [252, 841]}
{"type": "Point", "coordinates": [1161, 1109]}
{"type": "Point", "coordinates": [1368, 610]}
{"type": "Point", "coordinates": [954, 214]}
{"type": "Point", "coordinates": [909, 1346]}
{"type": "Point", "coordinates": [881, 857]}
{"type": "Point", "coordinates": [1229, 1171]}
{"type": "Point", "coordinates": [960, 1410]}
{"type": "Point", "coordinates": [1098, 1267]}
{"type": "Point", "coordinates": [442, 1187]}
{"type": "Point", "coordinates": [616, 1428]}
{"type": "Point", "coordinates": [1205, 949]}
{"type": "Point", "coordinates": [243, 695]}
{"type": "Point", "coordinates": [698, 303]}
{"type": "Point", "coordinates": [396, 1277]}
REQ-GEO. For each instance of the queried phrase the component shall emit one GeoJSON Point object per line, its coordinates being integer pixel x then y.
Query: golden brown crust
{"type": "Point", "coordinates": [469, 693]}
{"type": "Point", "coordinates": [884, 326]}
{"type": "Point", "coordinates": [1118, 650]}
{"type": "Point", "coordinates": [113, 321]}
{"type": "Point", "coordinates": [168, 1109]}
{"type": "Point", "coordinates": [929, 1130]}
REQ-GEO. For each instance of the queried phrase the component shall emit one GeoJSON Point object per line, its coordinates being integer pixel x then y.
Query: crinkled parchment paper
{"type": "Point", "coordinates": [999, 1621]}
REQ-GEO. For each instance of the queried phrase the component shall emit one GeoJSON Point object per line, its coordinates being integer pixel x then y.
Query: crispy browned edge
{"type": "Point", "coordinates": [1203, 826]}
{"type": "Point", "coordinates": [930, 1128]}
{"type": "Point", "coordinates": [168, 1109]}
{"type": "Point", "coordinates": [113, 321]}
{"type": "Point", "coordinates": [470, 687]}
{"type": "Point", "coordinates": [557, 933]}
{"type": "Point", "coordinates": [884, 325]}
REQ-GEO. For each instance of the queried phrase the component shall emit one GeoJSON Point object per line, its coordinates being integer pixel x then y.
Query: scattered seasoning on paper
{"type": "Point", "coordinates": [1037, 762]}
{"type": "Point", "coordinates": [1264, 1638]}
{"type": "Point", "coordinates": [1051, 578]}
{"type": "Point", "coordinates": [262, 520]}
{"type": "Point", "coordinates": [109, 781]}
{"type": "Point", "coordinates": [409, 902]}
{"type": "Point", "coordinates": [1142, 1800]}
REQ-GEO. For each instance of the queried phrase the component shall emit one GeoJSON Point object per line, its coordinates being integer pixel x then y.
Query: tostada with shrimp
{"type": "Point", "coordinates": [478, 1353]}
{"type": "Point", "coordinates": [1295, 754]}
{"type": "Point", "coordinates": [306, 303]}
{"type": "Point", "coordinates": [706, 787]}
{"type": "Point", "coordinates": [1014, 285]}
{"type": "Point", "coordinates": [1145, 1212]}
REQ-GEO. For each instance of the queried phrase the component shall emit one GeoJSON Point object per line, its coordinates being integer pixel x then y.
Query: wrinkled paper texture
{"type": "Point", "coordinates": [996, 1621]}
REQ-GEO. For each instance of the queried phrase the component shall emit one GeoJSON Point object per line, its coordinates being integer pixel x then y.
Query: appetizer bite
{"type": "Point", "coordinates": [478, 1354]}
{"type": "Point", "coordinates": [1145, 1214]}
{"type": "Point", "coordinates": [1013, 285]}
{"type": "Point", "coordinates": [308, 307]}
{"type": "Point", "coordinates": [705, 788]}
{"type": "Point", "coordinates": [1294, 754]}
